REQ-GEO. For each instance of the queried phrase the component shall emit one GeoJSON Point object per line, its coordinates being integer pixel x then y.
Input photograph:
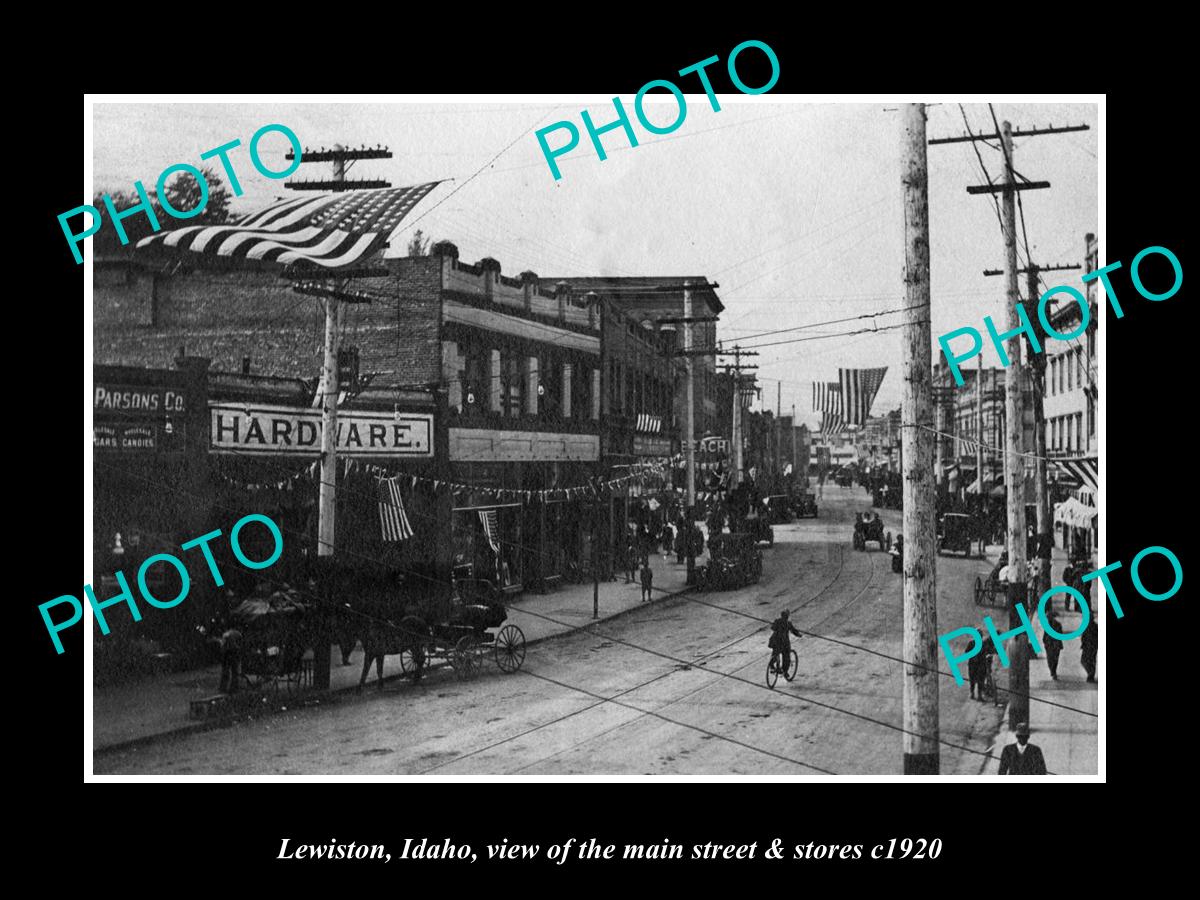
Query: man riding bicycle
{"type": "Point", "coordinates": [781, 642]}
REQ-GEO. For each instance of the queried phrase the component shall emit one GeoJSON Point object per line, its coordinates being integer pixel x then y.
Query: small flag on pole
{"type": "Point", "coordinates": [392, 518]}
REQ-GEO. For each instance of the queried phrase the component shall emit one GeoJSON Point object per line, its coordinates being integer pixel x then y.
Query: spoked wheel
{"type": "Point", "coordinates": [887, 541]}
{"type": "Point", "coordinates": [859, 542]}
{"type": "Point", "coordinates": [414, 655]}
{"type": "Point", "coordinates": [509, 649]}
{"type": "Point", "coordinates": [772, 672]}
{"type": "Point", "coordinates": [978, 589]}
{"type": "Point", "coordinates": [795, 664]}
{"type": "Point", "coordinates": [466, 657]}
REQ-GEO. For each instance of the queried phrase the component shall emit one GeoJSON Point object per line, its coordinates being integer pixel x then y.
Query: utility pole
{"type": "Point", "coordinates": [737, 416]}
{"type": "Point", "coordinates": [327, 498]}
{"type": "Point", "coordinates": [778, 436]}
{"type": "Point", "coordinates": [795, 459]}
{"type": "Point", "coordinates": [1037, 374]}
{"type": "Point", "coordinates": [1014, 460]}
{"type": "Point", "coordinates": [979, 428]}
{"type": "Point", "coordinates": [689, 433]}
{"type": "Point", "coordinates": [921, 729]}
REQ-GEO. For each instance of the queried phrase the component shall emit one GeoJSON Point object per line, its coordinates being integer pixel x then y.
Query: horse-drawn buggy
{"type": "Point", "coordinates": [988, 590]}
{"type": "Point", "coordinates": [869, 527]}
{"type": "Point", "coordinates": [277, 630]}
{"type": "Point", "coordinates": [733, 561]}
{"type": "Point", "coordinates": [422, 619]}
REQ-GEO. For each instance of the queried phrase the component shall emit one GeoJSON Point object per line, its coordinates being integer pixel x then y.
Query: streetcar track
{"type": "Point", "coordinates": [672, 671]}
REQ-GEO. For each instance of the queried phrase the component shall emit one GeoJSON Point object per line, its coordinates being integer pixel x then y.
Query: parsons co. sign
{"type": "Point", "coordinates": [238, 428]}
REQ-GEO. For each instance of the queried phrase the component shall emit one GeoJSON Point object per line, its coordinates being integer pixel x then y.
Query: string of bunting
{"type": "Point", "coordinates": [639, 472]}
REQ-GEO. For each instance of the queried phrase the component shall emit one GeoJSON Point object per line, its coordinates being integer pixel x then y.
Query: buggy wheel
{"type": "Point", "coordinates": [859, 542]}
{"type": "Point", "coordinates": [466, 657]}
{"type": "Point", "coordinates": [772, 672]}
{"type": "Point", "coordinates": [887, 541]}
{"type": "Point", "coordinates": [794, 665]}
{"type": "Point", "coordinates": [509, 649]}
{"type": "Point", "coordinates": [978, 589]}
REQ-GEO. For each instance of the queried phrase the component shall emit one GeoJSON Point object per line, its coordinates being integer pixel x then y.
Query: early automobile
{"type": "Point", "coordinates": [954, 533]}
{"type": "Point", "coordinates": [733, 561]}
{"type": "Point", "coordinates": [777, 509]}
{"type": "Point", "coordinates": [869, 527]}
{"type": "Point", "coordinates": [805, 504]}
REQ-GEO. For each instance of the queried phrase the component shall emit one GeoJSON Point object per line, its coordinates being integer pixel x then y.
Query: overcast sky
{"type": "Point", "coordinates": [793, 208]}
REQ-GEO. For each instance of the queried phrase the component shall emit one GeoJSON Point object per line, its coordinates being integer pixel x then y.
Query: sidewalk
{"type": "Point", "coordinates": [158, 706]}
{"type": "Point", "coordinates": [1069, 739]}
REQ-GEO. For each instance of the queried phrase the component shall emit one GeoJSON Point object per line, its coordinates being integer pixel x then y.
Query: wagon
{"type": "Point", "coordinates": [954, 533]}
{"type": "Point", "coordinates": [988, 589]}
{"type": "Point", "coordinates": [869, 527]}
{"type": "Point", "coordinates": [471, 626]}
{"type": "Point", "coordinates": [733, 561]}
{"type": "Point", "coordinates": [760, 530]}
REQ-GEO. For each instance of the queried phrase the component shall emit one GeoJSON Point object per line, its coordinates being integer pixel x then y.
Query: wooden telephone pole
{"type": "Point", "coordinates": [328, 389]}
{"type": "Point", "coordinates": [1037, 375]}
{"type": "Point", "coordinates": [1014, 402]}
{"type": "Point", "coordinates": [921, 728]}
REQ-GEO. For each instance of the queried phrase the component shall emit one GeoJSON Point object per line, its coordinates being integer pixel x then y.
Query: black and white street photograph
{"type": "Point", "coordinates": [733, 435]}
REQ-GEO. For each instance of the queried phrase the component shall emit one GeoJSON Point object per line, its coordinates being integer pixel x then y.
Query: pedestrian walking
{"type": "Point", "coordinates": [977, 671]}
{"type": "Point", "coordinates": [1022, 758]}
{"type": "Point", "coordinates": [1053, 646]}
{"type": "Point", "coordinates": [631, 557]}
{"type": "Point", "coordinates": [231, 659]}
{"type": "Point", "coordinates": [647, 580]}
{"type": "Point", "coordinates": [668, 542]}
{"type": "Point", "coordinates": [1089, 644]}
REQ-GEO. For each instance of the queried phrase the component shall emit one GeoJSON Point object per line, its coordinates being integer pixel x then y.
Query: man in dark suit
{"type": "Point", "coordinates": [1022, 758]}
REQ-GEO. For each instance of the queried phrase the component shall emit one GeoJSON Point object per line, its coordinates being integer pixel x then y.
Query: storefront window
{"type": "Point", "coordinates": [512, 384]}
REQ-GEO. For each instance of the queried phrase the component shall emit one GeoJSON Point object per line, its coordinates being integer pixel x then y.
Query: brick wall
{"type": "Point", "coordinates": [142, 319]}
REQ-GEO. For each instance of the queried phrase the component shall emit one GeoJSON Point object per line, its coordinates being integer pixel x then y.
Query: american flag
{"type": "Point", "coordinates": [827, 396]}
{"type": "Point", "coordinates": [859, 387]}
{"type": "Point", "coordinates": [331, 230]}
{"type": "Point", "coordinates": [392, 518]}
{"type": "Point", "coordinates": [832, 423]}
{"type": "Point", "coordinates": [491, 527]}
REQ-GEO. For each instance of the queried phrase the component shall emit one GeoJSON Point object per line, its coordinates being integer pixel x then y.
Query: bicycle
{"type": "Point", "coordinates": [773, 670]}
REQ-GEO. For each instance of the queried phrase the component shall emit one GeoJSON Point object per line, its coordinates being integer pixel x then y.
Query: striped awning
{"type": "Point", "coordinates": [1084, 468]}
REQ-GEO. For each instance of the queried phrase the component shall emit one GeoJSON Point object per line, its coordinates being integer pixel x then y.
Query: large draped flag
{"type": "Point", "coordinates": [832, 423]}
{"type": "Point", "coordinates": [859, 387]}
{"type": "Point", "coordinates": [827, 396]}
{"type": "Point", "coordinates": [330, 230]}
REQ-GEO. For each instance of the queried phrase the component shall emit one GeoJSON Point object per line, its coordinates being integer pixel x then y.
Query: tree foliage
{"type": "Point", "coordinates": [182, 193]}
{"type": "Point", "coordinates": [419, 244]}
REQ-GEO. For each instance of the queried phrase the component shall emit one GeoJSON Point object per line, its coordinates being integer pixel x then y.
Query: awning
{"type": "Point", "coordinates": [1072, 512]}
{"type": "Point", "coordinates": [1085, 468]}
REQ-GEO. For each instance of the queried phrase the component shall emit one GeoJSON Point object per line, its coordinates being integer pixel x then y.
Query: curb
{"type": "Point", "coordinates": [334, 693]}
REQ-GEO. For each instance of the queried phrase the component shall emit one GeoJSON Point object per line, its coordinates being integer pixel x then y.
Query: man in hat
{"type": "Point", "coordinates": [781, 642]}
{"type": "Point", "coordinates": [1053, 645]}
{"type": "Point", "coordinates": [1022, 758]}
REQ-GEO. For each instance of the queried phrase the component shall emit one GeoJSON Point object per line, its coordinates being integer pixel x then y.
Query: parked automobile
{"type": "Point", "coordinates": [733, 561]}
{"type": "Point", "coordinates": [805, 504]}
{"type": "Point", "coordinates": [954, 533]}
